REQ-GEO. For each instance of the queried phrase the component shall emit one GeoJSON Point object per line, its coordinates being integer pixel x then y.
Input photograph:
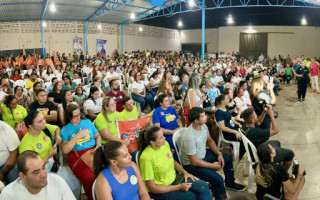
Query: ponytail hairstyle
{"type": "Point", "coordinates": [264, 167]}
{"type": "Point", "coordinates": [218, 101]}
{"type": "Point", "coordinates": [93, 89]}
{"type": "Point", "coordinates": [104, 154]}
{"type": "Point", "coordinates": [145, 137]}
{"type": "Point", "coordinates": [105, 103]}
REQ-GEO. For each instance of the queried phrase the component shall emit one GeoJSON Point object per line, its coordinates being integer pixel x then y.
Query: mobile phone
{"type": "Point", "coordinates": [54, 146]}
{"type": "Point", "coordinates": [271, 80]}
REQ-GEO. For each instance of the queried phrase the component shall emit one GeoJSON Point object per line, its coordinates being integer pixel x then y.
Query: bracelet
{"type": "Point", "coordinates": [219, 152]}
{"type": "Point", "coordinates": [98, 145]}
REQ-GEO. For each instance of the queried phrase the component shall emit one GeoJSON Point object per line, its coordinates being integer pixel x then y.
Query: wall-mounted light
{"type": "Point", "coordinates": [304, 21]}
{"type": "Point", "coordinates": [132, 16]}
{"type": "Point", "coordinates": [99, 26]}
{"type": "Point", "coordinates": [140, 29]}
{"type": "Point", "coordinates": [230, 20]}
{"type": "Point", "coordinates": [250, 30]}
{"type": "Point", "coordinates": [180, 24]}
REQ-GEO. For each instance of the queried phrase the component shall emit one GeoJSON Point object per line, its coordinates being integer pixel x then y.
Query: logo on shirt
{"type": "Point", "coordinates": [39, 146]}
{"type": "Point", "coordinates": [170, 118]}
{"type": "Point", "coordinates": [133, 180]}
{"type": "Point", "coordinates": [161, 113]}
{"type": "Point", "coordinates": [45, 138]}
{"type": "Point", "coordinates": [17, 113]}
{"type": "Point", "coordinates": [169, 155]}
{"type": "Point", "coordinates": [110, 122]}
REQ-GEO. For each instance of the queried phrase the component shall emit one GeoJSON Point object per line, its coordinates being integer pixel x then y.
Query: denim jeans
{"type": "Point", "coordinates": [210, 175]}
{"type": "Point", "coordinates": [144, 102]}
{"type": "Point", "coordinates": [12, 175]}
{"type": "Point", "coordinates": [199, 191]}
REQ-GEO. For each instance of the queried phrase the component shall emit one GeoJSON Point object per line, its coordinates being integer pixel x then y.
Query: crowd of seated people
{"type": "Point", "coordinates": [73, 103]}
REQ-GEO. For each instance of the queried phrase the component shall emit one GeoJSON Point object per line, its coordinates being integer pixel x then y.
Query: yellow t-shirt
{"type": "Point", "coordinates": [101, 123]}
{"type": "Point", "coordinates": [41, 144]}
{"type": "Point", "coordinates": [30, 84]}
{"type": "Point", "coordinates": [19, 113]}
{"type": "Point", "coordinates": [157, 165]}
{"type": "Point", "coordinates": [130, 115]}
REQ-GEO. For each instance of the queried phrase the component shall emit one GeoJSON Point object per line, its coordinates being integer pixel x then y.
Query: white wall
{"type": "Point", "coordinates": [195, 36]}
{"type": "Point", "coordinates": [59, 37]}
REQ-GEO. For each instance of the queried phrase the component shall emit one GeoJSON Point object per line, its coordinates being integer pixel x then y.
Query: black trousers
{"type": "Point", "coordinates": [302, 88]}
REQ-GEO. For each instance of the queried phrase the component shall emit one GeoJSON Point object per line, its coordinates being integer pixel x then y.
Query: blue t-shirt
{"type": "Point", "coordinates": [84, 143]}
{"type": "Point", "coordinates": [226, 117]}
{"type": "Point", "coordinates": [212, 94]}
{"type": "Point", "coordinates": [167, 118]}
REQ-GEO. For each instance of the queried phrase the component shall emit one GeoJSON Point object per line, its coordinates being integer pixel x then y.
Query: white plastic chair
{"type": "Point", "coordinates": [93, 193]}
{"type": "Point", "coordinates": [137, 158]}
{"type": "Point", "coordinates": [235, 144]}
{"type": "Point", "coordinates": [47, 84]}
{"type": "Point", "coordinates": [247, 143]}
{"type": "Point", "coordinates": [137, 104]}
{"type": "Point", "coordinates": [21, 83]}
{"type": "Point", "coordinates": [176, 139]}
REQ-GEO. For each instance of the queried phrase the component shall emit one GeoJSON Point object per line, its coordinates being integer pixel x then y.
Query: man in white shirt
{"type": "Point", "coordinates": [246, 95]}
{"type": "Point", "coordinates": [35, 183]}
{"type": "Point", "coordinates": [9, 143]}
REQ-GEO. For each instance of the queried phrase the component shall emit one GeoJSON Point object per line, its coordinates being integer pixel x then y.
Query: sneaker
{"type": "Point", "coordinates": [236, 187]}
{"type": "Point", "coordinates": [313, 91]}
{"type": "Point", "coordinates": [303, 100]}
{"type": "Point", "coordinates": [299, 100]}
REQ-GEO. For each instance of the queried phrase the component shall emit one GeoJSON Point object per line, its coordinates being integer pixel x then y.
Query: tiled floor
{"type": "Point", "coordinates": [299, 125]}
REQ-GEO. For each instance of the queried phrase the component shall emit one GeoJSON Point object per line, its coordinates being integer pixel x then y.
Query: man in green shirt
{"type": "Point", "coordinates": [130, 111]}
{"type": "Point", "coordinates": [288, 74]}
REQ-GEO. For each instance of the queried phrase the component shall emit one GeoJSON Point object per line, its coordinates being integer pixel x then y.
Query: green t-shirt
{"type": "Point", "coordinates": [66, 87]}
{"type": "Point", "coordinates": [288, 70]}
{"type": "Point", "coordinates": [130, 115]}
{"type": "Point", "coordinates": [41, 144]}
{"type": "Point", "coordinates": [157, 165]}
{"type": "Point", "coordinates": [19, 113]}
{"type": "Point", "coordinates": [102, 123]}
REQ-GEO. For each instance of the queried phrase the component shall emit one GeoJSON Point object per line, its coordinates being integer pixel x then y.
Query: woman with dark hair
{"type": "Point", "coordinates": [177, 91]}
{"type": "Point", "coordinates": [158, 170]}
{"type": "Point", "coordinates": [68, 84]}
{"type": "Point", "coordinates": [139, 94]}
{"type": "Point", "coordinates": [167, 76]}
{"type": "Point", "coordinates": [16, 76]}
{"type": "Point", "coordinates": [21, 98]}
{"type": "Point", "coordinates": [93, 106]}
{"type": "Point", "coordinates": [12, 113]}
{"type": "Point", "coordinates": [49, 75]}
{"type": "Point", "coordinates": [56, 95]}
{"type": "Point", "coordinates": [155, 81]}
{"type": "Point", "coordinates": [36, 86]}
{"type": "Point", "coordinates": [273, 179]}
{"type": "Point", "coordinates": [175, 76]}
{"type": "Point", "coordinates": [229, 83]}
{"type": "Point", "coordinates": [44, 138]}
{"type": "Point", "coordinates": [78, 137]}
{"type": "Point", "coordinates": [67, 100]}
{"type": "Point", "coordinates": [233, 108]}
{"type": "Point", "coordinates": [116, 173]}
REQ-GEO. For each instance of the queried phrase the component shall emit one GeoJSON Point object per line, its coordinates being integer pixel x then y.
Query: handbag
{"type": "Point", "coordinates": [21, 130]}
{"type": "Point", "coordinates": [87, 157]}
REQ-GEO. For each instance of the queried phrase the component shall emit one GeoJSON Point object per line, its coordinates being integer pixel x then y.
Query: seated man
{"type": "Point", "coordinates": [203, 162]}
{"type": "Point", "coordinates": [44, 106]}
{"type": "Point", "coordinates": [212, 91]}
{"type": "Point", "coordinates": [32, 80]}
{"type": "Point", "coordinates": [35, 182]}
{"type": "Point", "coordinates": [217, 80]}
{"type": "Point", "coordinates": [130, 111]}
{"type": "Point", "coordinates": [9, 143]}
{"type": "Point", "coordinates": [258, 135]}
{"type": "Point", "coordinates": [116, 94]}
{"type": "Point", "coordinates": [50, 88]}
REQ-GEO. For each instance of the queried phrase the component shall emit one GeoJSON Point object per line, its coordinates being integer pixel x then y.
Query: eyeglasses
{"type": "Point", "coordinates": [76, 116]}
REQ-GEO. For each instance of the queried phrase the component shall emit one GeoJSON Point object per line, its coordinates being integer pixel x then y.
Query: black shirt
{"type": "Point", "coordinates": [57, 98]}
{"type": "Point", "coordinates": [256, 135]}
{"type": "Point", "coordinates": [278, 176]}
{"type": "Point", "coordinates": [304, 71]}
{"type": "Point", "coordinates": [45, 109]}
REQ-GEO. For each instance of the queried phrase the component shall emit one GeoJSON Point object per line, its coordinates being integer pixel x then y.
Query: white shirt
{"type": "Point", "coordinates": [138, 86]}
{"type": "Point", "coordinates": [9, 141]}
{"type": "Point", "coordinates": [49, 77]}
{"type": "Point", "coordinates": [241, 103]}
{"type": "Point", "coordinates": [56, 189]}
{"type": "Point", "coordinates": [95, 107]}
{"type": "Point", "coordinates": [266, 79]}
{"type": "Point", "coordinates": [246, 97]}
{"type": "Point", "coordinates": [114, 74]}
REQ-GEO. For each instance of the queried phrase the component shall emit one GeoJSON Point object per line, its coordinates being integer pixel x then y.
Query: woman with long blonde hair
{"type": "Point", "coordinates": [258, 96]}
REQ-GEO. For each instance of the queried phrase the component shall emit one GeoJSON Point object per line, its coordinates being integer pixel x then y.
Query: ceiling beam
{"type": "Point", "coordinates": [44, 8]}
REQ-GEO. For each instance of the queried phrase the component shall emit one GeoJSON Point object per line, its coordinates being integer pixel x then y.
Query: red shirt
{"type": "Point", "coordinates": [15, 78]}
{"type": "Point", "coordinates": [314, 69]}
{"type": "Point", "coordinates": [118, 98]}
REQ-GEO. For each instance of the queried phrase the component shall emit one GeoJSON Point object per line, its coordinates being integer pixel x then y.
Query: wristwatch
{"type": "Point", "coordinates": [219, 152]}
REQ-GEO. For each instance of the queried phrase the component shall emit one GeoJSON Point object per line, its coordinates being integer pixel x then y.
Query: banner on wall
{"type": "Point", "coordinates": [77, 44]}
{"type": "Point", "coordinates": [129, 131]}
{"type": "Point", "coordinates": [101, 47]}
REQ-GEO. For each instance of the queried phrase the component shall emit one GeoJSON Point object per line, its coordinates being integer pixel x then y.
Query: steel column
{"type": "Point", "coordinates": [203, 32]}
{"type": "Point", "coordinates": [42, 39]}
{"type": "Point", "coordinates": [122, 38]}
{"type": "Point", "coordinates": [86, 27]}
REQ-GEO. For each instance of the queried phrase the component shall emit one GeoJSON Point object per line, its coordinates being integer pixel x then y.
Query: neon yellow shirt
{"type": "Point", "coordinates": [30, 83]}
{"type": "Point", "coordinates": [130, 115]}
{"type": "Point", "coordinates": [19, 113]}
{"type": "Point", "coordinates": [41, 144]}
{"type": "Point", "coordinates": [157, 165]}
{"type": "Point", "coordinates": [101, 123]}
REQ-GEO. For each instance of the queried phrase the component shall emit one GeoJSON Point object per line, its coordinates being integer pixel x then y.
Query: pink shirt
{"type": "Point", "coordinates": [314, 69]}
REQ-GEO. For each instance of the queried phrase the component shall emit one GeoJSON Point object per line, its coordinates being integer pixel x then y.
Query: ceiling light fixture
{"type": "Point", "coordinates": [304, 21]}
{"type": "Point", "coordinates": [192, 3]}
{"type": "Point", "coordinates": [132, 16]}
{"type": "Point", "coordinates": [180, 24]}
{"type": "Point", "coordinates": [250, 30]}
{"type": "Point", "coordinates": [53, 7]}
{"type": "Point", "coordinates": [230, 20]}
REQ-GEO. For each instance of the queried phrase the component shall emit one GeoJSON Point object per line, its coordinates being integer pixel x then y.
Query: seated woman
{"type": "Point", "coordinates": [233, 108]}
{"type": "Point", "coordinates": [166, 118]}
{"type": "Point", "coordinates": [67, 99]}
{"type": "Point", "coordinates": [56, 95]}
{"type": "Point", "coordinates": [78, 137]}
{"type": "Point", "coordinates": [158, 170]}
{"type": "Point", "coordinates": [33, 96]}
{"type": "Point", "coordinates": [106, 121]}
{"type": "Point", "coordinates": [92, 106]}
{"type": "Point", "coordinates": [240, 99]}
{"type": "Point", "coordinates": [68, 84]}
{"type": "Point", "coordinates": [44, 139]}
{"type": "Point", "coordinates": [177, 91]}
{"type": "Point", "coordinates": [116, 173]}
{"type": "Point", "coordinates": [12, 113]}
{"type": "Point", "coordinates": [271, 178]}
{"type": "Point", "coordinates": [140, 95]}
{"type": "Point", "coordinates": [21, 98]}
{"type": "Point", "coordinates": [5, 86]}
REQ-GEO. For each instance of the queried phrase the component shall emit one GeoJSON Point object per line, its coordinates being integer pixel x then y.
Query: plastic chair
{"type": "Point", "coordinates": [21, 83]}
{"type": "Point", "coordinates": [247, 143]}
{"type": "Point", "coordinates": [137, 104]}
{"type": "Point", "coordinates": [93, 193]}
{"type": "Point", "coordinates": [176, 139]}
{"type": "Point", "coordinates": [235, 144]}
